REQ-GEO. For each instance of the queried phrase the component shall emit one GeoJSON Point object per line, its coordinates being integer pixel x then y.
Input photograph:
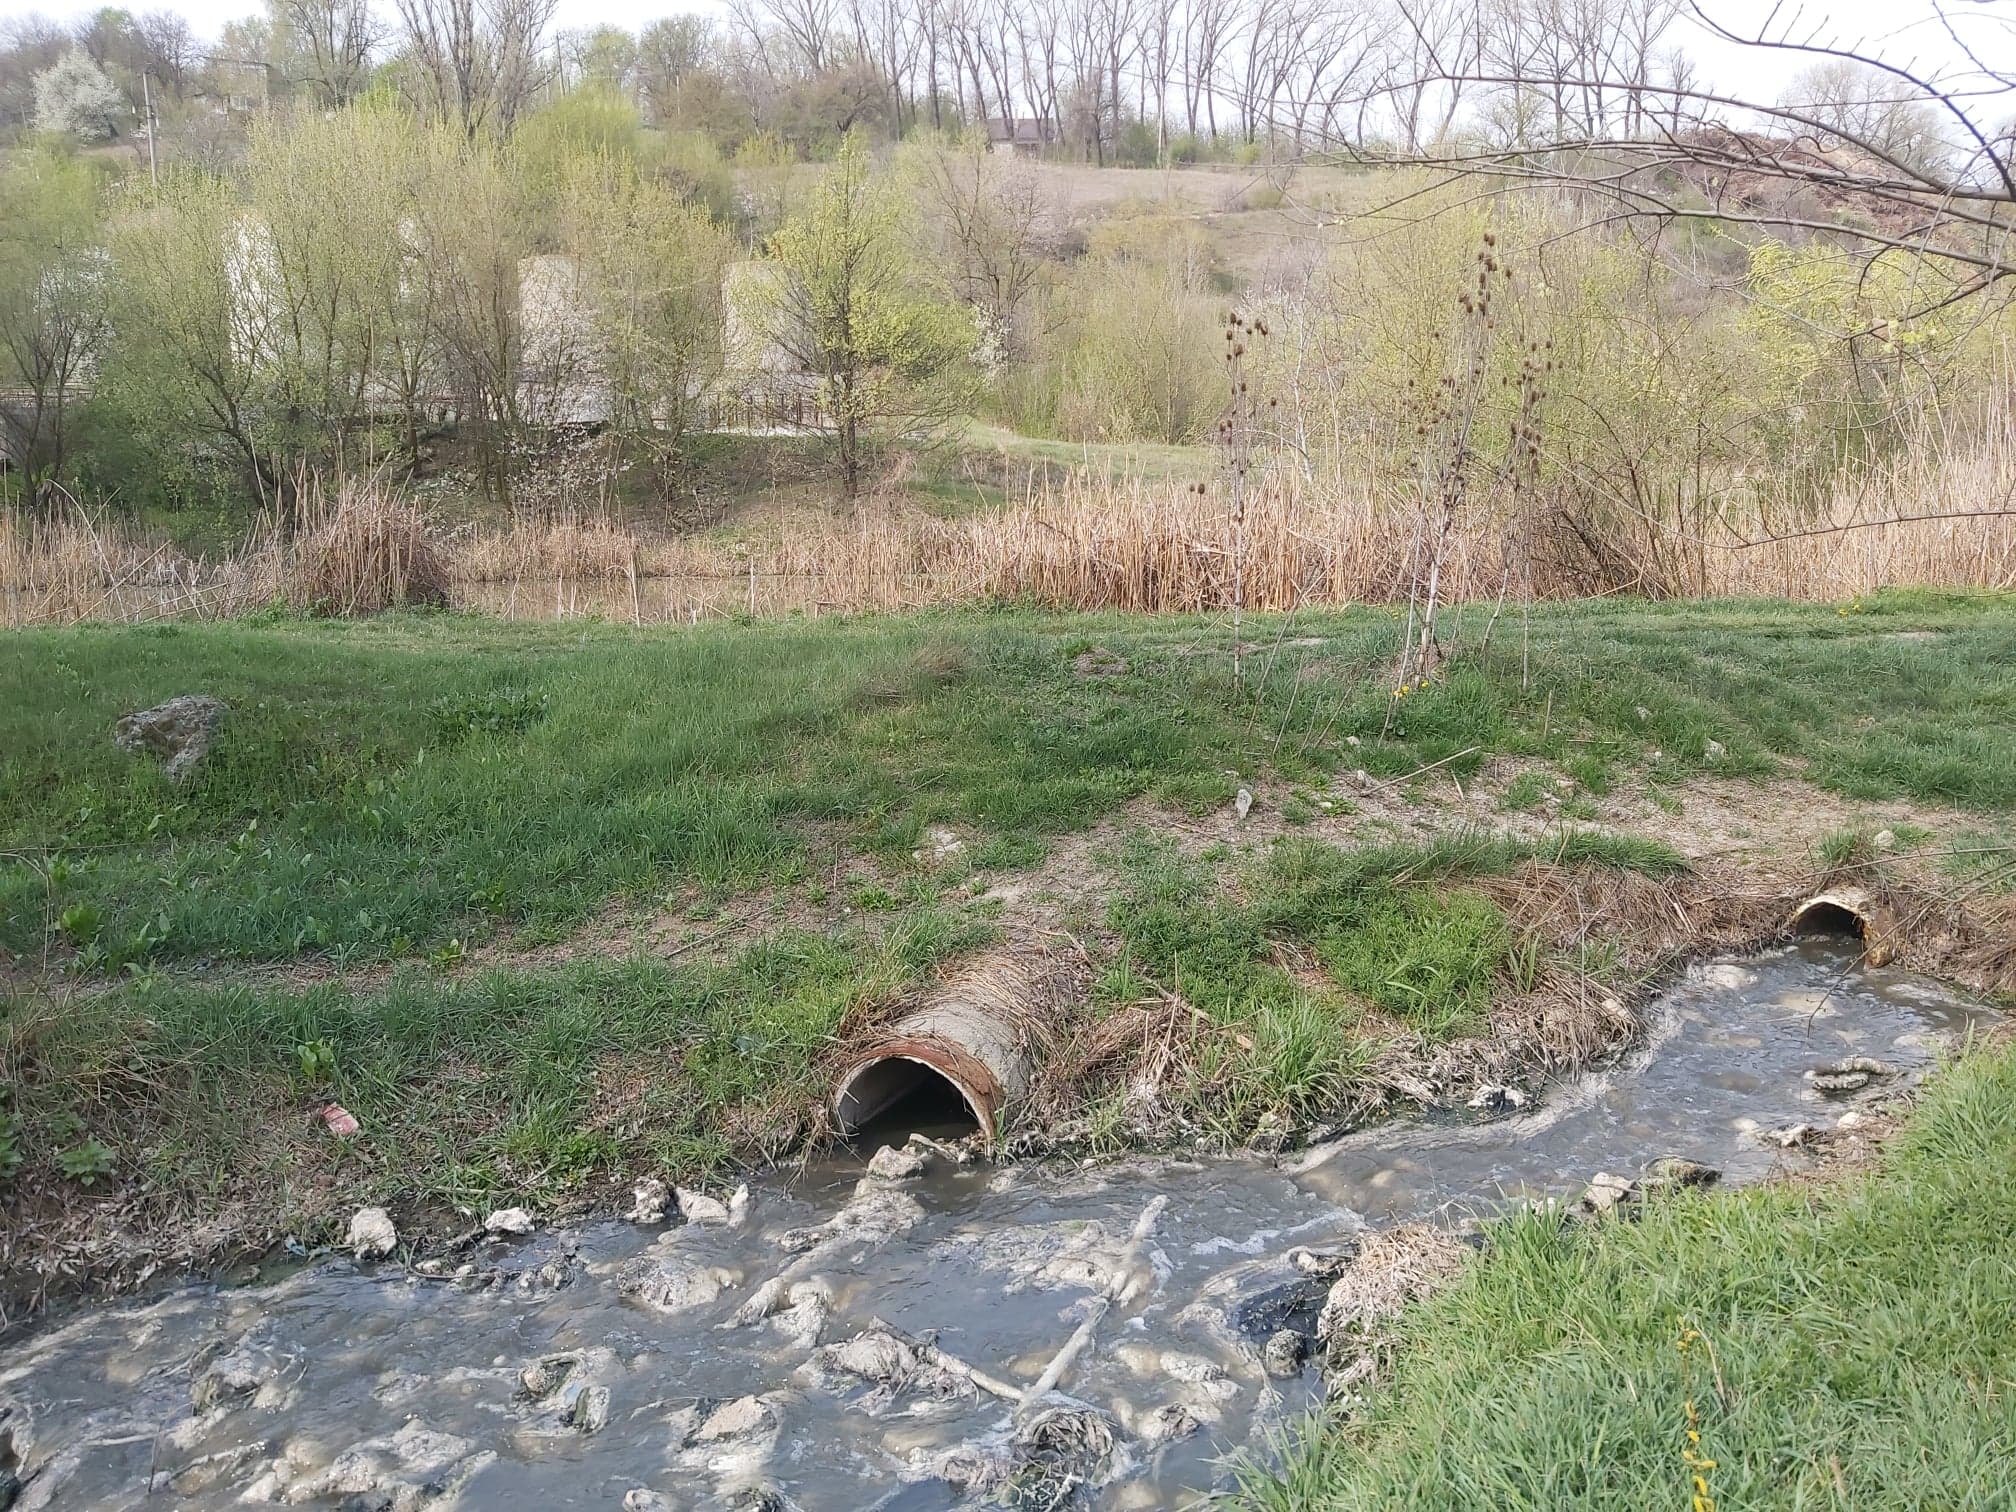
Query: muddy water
{"type": "Point", "coordinates": [412, 1387]}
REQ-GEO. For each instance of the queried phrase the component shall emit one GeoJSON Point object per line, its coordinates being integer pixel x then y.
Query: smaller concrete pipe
{"type": "Point", "coordinates": [966, 1033]}
{"type": "Point", "coordinates": [1851, 910]}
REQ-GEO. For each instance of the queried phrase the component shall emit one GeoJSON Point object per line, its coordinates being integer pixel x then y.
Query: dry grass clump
{"type": "Point", "coordinates": [363, 550]}
{"type": "Point", "coordinates": [1097, 542]}
{"type": "Point", "coordinates": [71, 565]}
{"type": "Point", "coordinates": [1146, 1049]}
{"type": "Point", "coordinates": [1094, 543]}
{"type": "Point", "coordinates": [1392, 1268]}
{"type": "Point", "coordinates": [1994, 963]}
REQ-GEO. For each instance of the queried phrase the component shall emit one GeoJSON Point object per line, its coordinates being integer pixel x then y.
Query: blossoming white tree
{"type": "Point", "coordinates": [73, 96]}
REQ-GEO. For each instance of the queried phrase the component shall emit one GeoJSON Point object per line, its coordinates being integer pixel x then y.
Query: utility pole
{"type": "Point", "coordinates": [147, 95]}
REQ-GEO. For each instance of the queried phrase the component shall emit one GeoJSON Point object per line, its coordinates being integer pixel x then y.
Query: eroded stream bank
{"type": "Point", "coordinates": [580, 1367]}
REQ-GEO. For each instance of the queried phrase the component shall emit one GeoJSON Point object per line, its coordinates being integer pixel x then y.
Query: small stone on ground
{"type": "Point", "coordinates": [371, 1233]}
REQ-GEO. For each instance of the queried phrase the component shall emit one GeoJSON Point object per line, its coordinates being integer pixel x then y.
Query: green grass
{"type": "Point", "coordinates": [382, 788]}
{"type": "Point", "coordinates": [1390, 926]}
{"type": "Point", "coordinates": [1290, 1051]}
{"type": "Point", "coordinates": [1428, 958]}
{"type": "Point", "coordinates": [1148, 459]}
{"type": "Point", "coordinates": [510, 1081]}
{"type": "Point", "coordinates": [1854, 1349]}
{"type": "Point", "coordinates": [385, 787]}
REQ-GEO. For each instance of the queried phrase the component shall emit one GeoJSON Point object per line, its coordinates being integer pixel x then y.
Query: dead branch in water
{"type": "Point", "coordinates": [1116, 1287]}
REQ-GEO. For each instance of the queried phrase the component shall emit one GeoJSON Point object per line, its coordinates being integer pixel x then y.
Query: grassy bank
{"type": "Point", "coordinates": [386, 787]}
{"type": "Point", "coordinates": [548, 907]}
{"type": "Point", "coordinates": [1845, 1346]}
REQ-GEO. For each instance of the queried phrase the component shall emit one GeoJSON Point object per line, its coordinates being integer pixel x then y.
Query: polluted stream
{"type": "Point", "coordinates": [848, 1340]}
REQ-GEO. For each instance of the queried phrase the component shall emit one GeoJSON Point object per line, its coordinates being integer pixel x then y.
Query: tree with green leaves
{"type": "Point", "coordinates": [193, 312]}
{"type": "Point", "coordinates": [844, 305]}
{"type": "Point", "coordinates": [475, 231]}
{"type": "Point", "coordinates": [52, 301]}
{"type": "Point", "coordinates": [651, 265]}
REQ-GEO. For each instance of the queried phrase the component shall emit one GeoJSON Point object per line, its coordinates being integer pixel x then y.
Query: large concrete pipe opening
{"type": "Point", "coordinates": [970, 1035]}
{"type": "Point", "coordinates": [1848, 913]}
{"type": "Point", "coordinates": [1820, 917]}
{"type": "Point", "coordinates": [899, 1094]}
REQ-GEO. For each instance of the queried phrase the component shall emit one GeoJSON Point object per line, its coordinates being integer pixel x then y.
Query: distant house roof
{"type": "Point", "coordinates": [1022, 131]}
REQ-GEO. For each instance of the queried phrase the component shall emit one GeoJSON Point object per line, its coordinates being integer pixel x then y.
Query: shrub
{"type": "Point", "coordinates": [367, 550]}
{"type": "Point", "coordinates": [1142, 358]}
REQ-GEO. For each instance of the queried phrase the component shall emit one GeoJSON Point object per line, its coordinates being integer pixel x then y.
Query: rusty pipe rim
{"type": "Point", "coordinates": [970, 1076]}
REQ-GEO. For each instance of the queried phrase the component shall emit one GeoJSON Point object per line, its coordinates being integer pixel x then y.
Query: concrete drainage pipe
{"type": "Point", "coordinates": [1850, 910]}
{"type": "Point", "coordinates": [969, 1034]}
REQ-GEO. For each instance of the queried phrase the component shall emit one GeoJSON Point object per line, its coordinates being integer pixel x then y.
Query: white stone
{"type": "Point", "coordinates": [1606, 1191]}
{"type": "Point", "coordinates": [587, 1409]}
{"type": "Point", "coordinates": [872, 1356]}
{"type": "Point", "coordinates": [512, 1220]}
{"type": "Point", "coordinates": [804, 1321]}
{"type": "Point", "coordinates": [649, 1199]}
{"type": "Point", "coordinates": [700, 1208]}
{"type": "Point", "coordinates": [670, 1284]}
{"type": "Point", "coordinates": [891, 1163]}
{"type": "Point", "coordinates": [737, 1419]}
{"type": "Point", "coordinates": [371, 1233]}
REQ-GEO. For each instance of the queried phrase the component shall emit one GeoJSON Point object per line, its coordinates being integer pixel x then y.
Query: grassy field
{"type": "Point", "coordinates": [1836, 1348]}
{"type": "Point", "coordinates": [392, 882]}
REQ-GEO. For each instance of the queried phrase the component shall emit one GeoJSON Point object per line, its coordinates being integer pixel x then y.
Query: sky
{"type": "Point", "coordinates": [1898, 30]}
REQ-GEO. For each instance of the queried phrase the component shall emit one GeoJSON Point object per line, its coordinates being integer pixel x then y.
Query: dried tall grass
{"type": "Point", "coordinates": [68, 566]}
{"type": "Point", "coordinates": [572, 546]}
{"type": "Point", "coordinates": [361, 550]}
{"type": "Point", "coordinates": [1939, 515]}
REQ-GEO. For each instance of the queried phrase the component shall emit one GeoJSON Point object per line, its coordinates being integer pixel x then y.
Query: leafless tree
{"type": "Point", "coordinates": [1119, 41]}
{"type": "Point", "coordinates": [1595, 113]}
{"type": "Point", "coordinates": [171, 49]}
{"type": "Point", "coordinates": [477, 63]}
{"type": "Point", "coordinates": [1208, 31]}
{"type": "Point", "coordinates": [1038, 55]}
{"type": "Point", "coordinates": [886, 33]}
{"type": "Point", "coordinates": [337, 39]}
{"type": "Point", "coordinates": [805, 31]}
{"type": "Point", "coordinates": [668, 52]}
{"type": "Point", "coordinates": [1863, 104]}
{"type": "Point", "coordinates": [1331, 82]}
{"type": "Point", "coordinates": [1161, 42]}
{"type": "Point", "coordinates": [1424, 34]}
{"type": "Point", "coordinates": [988, 225]}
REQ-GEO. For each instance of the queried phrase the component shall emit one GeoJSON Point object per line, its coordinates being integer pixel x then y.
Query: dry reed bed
{"type": "Point", "coordinates": [1088, 543]}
